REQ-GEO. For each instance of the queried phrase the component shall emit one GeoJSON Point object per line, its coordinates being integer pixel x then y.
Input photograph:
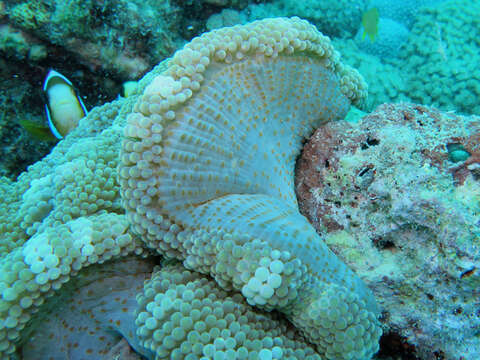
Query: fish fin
{"type": "Point", "coordinates": [38, 131]}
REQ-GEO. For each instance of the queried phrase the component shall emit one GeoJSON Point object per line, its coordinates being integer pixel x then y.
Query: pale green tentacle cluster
{"type": "Point", "coordinates": [185, 315]}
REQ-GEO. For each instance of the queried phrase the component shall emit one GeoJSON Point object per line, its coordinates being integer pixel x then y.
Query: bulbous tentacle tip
{"type": "Point", "coordinates": [339, 322]}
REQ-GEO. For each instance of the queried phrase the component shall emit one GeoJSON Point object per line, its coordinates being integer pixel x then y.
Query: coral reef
{"type": "Point", "coordinates": [111, 36]}
{"type": "Point", "coordinates": [388, 42]}
{"type": "Point", "coordinates": [124, 37]}
{"type": "Point", "coordinates": [18, 149]}
{"type": "Point", "coordinates": [20, 45]}
{"type": "Point", "coordinates": [402, 210]}
{"type": "Point", "coordinates": [333, 18]}
{"type": "Point", "coordinates": [386, 82]}
{"type": "Point", "coordinates": [65, 213]}
{"type": "Point", "coordinates": [339, 18]}
{"type": "Point", "coordinates": [441, 56]}
{"type": "Point", "coordinates": [404, 12]}
{"type": "Point", "coordinates": [202, 173]}
{"type": "Point", "coordinates": [424, 51]}
{"type": "Point", "coordinates": [226, 17]}
{"type": "Point", "coordinates": [228, 3]}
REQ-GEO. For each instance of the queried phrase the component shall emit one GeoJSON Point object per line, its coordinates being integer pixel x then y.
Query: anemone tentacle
{"type": "Point", "coordinates": [207, 169]}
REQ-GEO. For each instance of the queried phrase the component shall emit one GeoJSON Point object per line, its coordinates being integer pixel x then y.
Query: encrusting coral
{"type": "Point", "coordinates": [207, 166]}
{"type": "Point", "coordinates": [206, 177]}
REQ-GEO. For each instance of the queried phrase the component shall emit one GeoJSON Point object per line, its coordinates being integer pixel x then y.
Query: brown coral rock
{"type": "Point", "coordinates": [398, 206]}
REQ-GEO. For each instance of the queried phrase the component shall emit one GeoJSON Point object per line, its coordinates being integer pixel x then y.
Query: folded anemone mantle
{"type": "Point", "coordinates": [207, 174]}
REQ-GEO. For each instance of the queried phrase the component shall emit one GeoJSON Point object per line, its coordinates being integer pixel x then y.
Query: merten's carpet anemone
{"type": "Point", "coordinates": [207, 167]}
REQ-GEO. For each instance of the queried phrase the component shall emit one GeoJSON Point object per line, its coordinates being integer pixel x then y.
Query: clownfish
{"type": "Point", "coordinates": [64, 107]}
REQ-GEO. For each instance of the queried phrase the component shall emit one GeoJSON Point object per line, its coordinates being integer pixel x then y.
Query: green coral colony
{"type": "Point", "coordinates": [195, 184]}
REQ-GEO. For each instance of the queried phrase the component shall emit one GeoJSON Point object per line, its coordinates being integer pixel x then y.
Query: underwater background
{"type": "Point", "coordinates": [393, 190]}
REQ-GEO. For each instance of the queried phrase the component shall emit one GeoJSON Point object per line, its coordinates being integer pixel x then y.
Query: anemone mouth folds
{"type": "Point", "coordinates": [228, 116]}
{"type": "Point", "coordinates": [241, 133]}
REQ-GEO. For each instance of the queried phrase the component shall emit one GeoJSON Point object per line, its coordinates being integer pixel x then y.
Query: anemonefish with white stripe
{"type": "Point", "coordinates": [64, 106]}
